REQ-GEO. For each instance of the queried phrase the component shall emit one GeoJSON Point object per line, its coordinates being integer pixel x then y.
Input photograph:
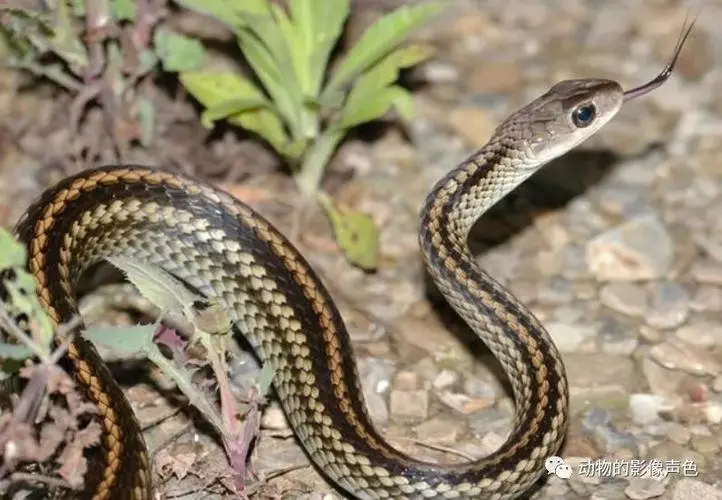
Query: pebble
{"type": "Point", "coordinates": [701, 334]}
{"type": "Point", "coordinates": [645, 408]}
{"type": "Point", "coordinates": [642, 488]}
{"type": "Point", "coordinates": [464, 403]}
{"type": "Point", "coordinates": [669, 306]}
{"type": "Point", "coordinates": [639, 249]}
{"type": "Point", "coordinates": [624, 297]}
{"type": "Point", "coordinates": [409, 404]}
{"type": "Point", "coordinates": [406, 381]}
{"type": "Point", "coordinates": [687, 489]}
{"type": "Point", "coordinates": [677, 355]}
{"type": "Point", "coordinates": [439, 431]}
{"type": "Point", "coordinates": [273, 418]}
{"type": "Point", "coordinates": [707, 298]}
{"type": "Point", "coordinates": [717, 384]}
{"type": "Point", "coordinates": [707, 272]}
{"type": "Point", "coordinates": [570, 338]}
{"type": "Point", "coordinates": [445, 379]}
{"type": "Point", "coordinates": [705, 444]}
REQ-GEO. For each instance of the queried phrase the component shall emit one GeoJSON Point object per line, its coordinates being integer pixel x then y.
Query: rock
{"type": "Point", "coordinates": [677, 355]}
{"type": "Point", "coordinates": [701, 334]}
{"type": "Point", "coordinates": [687, 488]}
{"type": "Point", "coordinates": [409, 404]}
{"type": "Point", "coordinates": [669, 306]}
{"type": "Point", "coordinates": [439, 431]}
{"type": "Point", "coordinates": [642, 488]}
{"type": "Point", "coordinates": [637, 250]}
{"type": "Point", "coordinates": [569, 338]}
{"type": "Point", "coordinates": [624, 297]}
{"type": "Point", "coordinates": [645, 408]}
{"type": "Point", "coordinates": [707, 272]}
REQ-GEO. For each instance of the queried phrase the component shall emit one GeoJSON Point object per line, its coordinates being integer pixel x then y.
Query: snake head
{"type": "Point", "coordinates": [566, 115]}
{"type": "Point", "coordinates": [570, 112]}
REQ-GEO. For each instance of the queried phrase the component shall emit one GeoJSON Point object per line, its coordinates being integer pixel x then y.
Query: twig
{"type": "Point", "coordinates": [436, 447]}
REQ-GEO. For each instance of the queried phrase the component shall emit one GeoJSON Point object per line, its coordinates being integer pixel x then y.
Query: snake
{"type": "Point", "coordinates": [225, 250]}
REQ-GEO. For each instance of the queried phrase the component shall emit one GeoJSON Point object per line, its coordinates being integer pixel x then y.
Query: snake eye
{"type": "Point", "coordinates": [584, 115]}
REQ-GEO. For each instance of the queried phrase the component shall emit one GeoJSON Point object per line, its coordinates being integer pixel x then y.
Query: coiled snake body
{"type": "Point", "coordinates": [225, 250]}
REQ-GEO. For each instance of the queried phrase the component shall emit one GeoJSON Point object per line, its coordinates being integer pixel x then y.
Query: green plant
{"type": "Point", "coordinates": [100, 51]}
{"type": "Point", "coordinates": [302, 109]}
{"type": "Point", "coordinates": [205, 323]}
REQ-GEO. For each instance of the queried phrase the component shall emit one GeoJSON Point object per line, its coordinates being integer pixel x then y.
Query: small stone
{"type": "Point", "coordinates": [687, 488]}
{"type": "Point", "coordinates": [713, 412]}
{"type": "Point", "coordinates": [624, 297]}
{"type": "Point", "coordinates": [406, 381]}
{"type": "Point", "coordinates": [376, 406]}
{"type": "Point", "coordinates": [677, 355]}
{"type": "Point", "coordinates": [637, 250]}
{"type": "Point", "coordinates": [679, 434]}
{"type": "Point", "coordinates": [705, 444]}
{"type": "Point", "coordinates": [645, 408]}
{"type": "Point", "coordinates": [438, 431]}
{"type": "Point", "coordinates": [707, 272]}
{"type": "Point", "coordinates": [707, 298]}
{"type": "Point", "coordinates": [570, 338]}
{"type": "Point", "coordinates": [669, 306]}
{"type": "Point", "coordinates": [662, 380]}
{"type": "Point", "coordinates": [491, 442]}
{"type": "Point", "coordinates": [595, 377]}
{"type": "Point", "coordinates": [273, 418]}
{"type": "Point", "coordinates": [491, 420]}
{"type": "Point", "coordinates": [478, 388]}
{"type": "Point", "coordinates": [642, 488]}
{"type": "Point", "coordinates": [464, 403]}
{"type": "Point", "coordinates": [445, 379]}
{"type": "Point", "coordinates": [409, 404]}
{"type": "Point", "coordinates": [616, 336]}
{"type": "Point", "coordinates": [440, 72]}
{"type": "Point", "coordinates": [717, 384]}
{"type": "Point", "coordinates": [701, 334]}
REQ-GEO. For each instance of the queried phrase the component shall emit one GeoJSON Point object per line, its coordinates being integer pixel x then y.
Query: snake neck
{"type": "Point", "coordinates": [455, 203]}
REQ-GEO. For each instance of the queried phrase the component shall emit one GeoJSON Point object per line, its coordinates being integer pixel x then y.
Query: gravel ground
{"type": "Point", "coordinates": [617, 248]}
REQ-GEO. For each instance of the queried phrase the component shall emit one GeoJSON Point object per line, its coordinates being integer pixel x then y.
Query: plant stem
{"type": "Point", "coordinates": [309, 176]}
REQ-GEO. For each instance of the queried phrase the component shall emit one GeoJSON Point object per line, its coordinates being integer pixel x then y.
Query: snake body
{"type": "Point", "coordinates": [225, 250]}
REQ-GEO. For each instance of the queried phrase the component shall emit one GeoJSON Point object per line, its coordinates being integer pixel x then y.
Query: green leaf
{"type": "Point", "coordinates": [125, 341]}
{"type": "Point", "coordinates": [64, 42]}
{"type": "Point", "coordinates": [214, 89]}
{"type": "Point", "coordinates": [234, 13]}
{"type": "Point", "coordinates": [379, 39]}
{"type": "Point", "coordinates": [231, 108]}
{"type": "Point", "coordinates": [375, 105]}
{"type": "Point", "coordinates": [123, 10]}
{"type": "Point", "coordinates": [386, 71]}
{"type": "Point", "coordinates": [266, 379]}
{"type": "Point", "coordinates": [157, 286]}
{"type": "Point", "coordinates": [370, 98]}
{"type": "Point", "coordinates": [12, 252]}
{"type": "Point", "coordinates": [356, 234]}
{"type": "Point", "coordinates": [177, 52]}
{"type": "Point", "coordinates": [318, 26]}
{"type": "Point", "coordinates": [275, 72]}
{"type": "Point", "coordinates": [15, 351]}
